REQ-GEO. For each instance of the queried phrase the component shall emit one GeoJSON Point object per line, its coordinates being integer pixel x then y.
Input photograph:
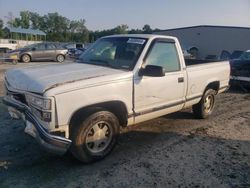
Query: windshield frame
{"type": "Point", "coordinates": [102, 62]}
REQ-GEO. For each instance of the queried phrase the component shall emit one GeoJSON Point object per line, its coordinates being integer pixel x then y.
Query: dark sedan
{"type": "Point", "coordinates": [40, 52]}
{"type": "Point", "coordinates": [240, 70]}
{"type": "Point", "coordinates": [241, 66]}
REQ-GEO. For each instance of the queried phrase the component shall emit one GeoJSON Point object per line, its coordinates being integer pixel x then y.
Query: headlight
{"type": "Point", "coordinates": [43, 115]}
{"type": "Point", "coordinates": [41, 103]}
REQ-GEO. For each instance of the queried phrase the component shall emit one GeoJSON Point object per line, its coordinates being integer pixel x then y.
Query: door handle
{"type": "Point", "coordinates": [181, 79]}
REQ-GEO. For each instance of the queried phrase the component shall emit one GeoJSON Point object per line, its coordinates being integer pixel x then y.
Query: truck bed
{"type": "Point", "coordinates": [204, 73]}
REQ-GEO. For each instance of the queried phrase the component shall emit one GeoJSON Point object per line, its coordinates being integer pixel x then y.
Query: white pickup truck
{"type": "Point", "coordinates": [119, 81]}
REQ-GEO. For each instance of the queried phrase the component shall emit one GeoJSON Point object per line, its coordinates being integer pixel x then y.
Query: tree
{"type": "Point", "coordinates": [56, 27]}
{"type": "Point", "coordinates": [37, 21]}
{"type": "Point", "coordinates": [15, 22]}
{"type": "Point", "coordinates": [147, 29]}
{"type": "Point", "coordinates": [78, 31]}
{"type": "Point", "coordinates": [135, 31]}
{"type": "Point", "coordinates": [61, 29]}
{"type": "Point", "coordinates": [121, 29]}
{"type": "Point", "coordinates": [77, 26]}
{"type": "Point", "coordinates": [25, 19]}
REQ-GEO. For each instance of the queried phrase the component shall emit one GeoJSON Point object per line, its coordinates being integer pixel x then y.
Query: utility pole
{"type": "Point", "coordinates": [9, 18]}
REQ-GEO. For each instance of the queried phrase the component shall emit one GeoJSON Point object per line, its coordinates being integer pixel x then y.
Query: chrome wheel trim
{"type": "Point", "coordinates": [208, 103]}
{"type": "Point", "coordinates": [26, 58]}
{"type": "Point", "coordinates": [60, 58]}
{"type": "Point", "coordinates": [99, 137]}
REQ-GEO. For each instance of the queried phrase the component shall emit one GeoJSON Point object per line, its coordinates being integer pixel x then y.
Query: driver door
{"type": "Point", "coordinates": [156, 96]}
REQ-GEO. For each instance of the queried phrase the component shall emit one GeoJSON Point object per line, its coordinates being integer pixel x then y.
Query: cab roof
{"type": "Point", "coordinates": [146, 36]}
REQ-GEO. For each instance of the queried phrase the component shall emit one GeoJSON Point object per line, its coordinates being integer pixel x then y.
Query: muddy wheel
{"type": "Point", "coordinates": [60, 58]}
{"type": "Point", "coordinates": [95, 137]}
{"type": "Point", "coordinates": [205, 107]}
{"type": "Point", "coordinates": [26, 58]}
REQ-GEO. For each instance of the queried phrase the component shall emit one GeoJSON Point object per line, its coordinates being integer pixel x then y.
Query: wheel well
{"type": "Point", "coordinates": [118, 108]}
{"type": "Point", "coordinates": [60, 54]}
{"type": "Point", "coordinates": [213, 85]}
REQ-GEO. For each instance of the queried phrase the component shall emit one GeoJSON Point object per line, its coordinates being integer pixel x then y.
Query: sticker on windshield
{"type": "Point", "coordinates": [136, 41]}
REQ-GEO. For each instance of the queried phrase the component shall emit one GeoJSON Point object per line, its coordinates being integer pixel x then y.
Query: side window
{"type": "Point", "coordinates": [246, 56]}
{"type": "Point", "coordinates": [40, 47]}
{"type": "Point", "coordinates": [164, 54]}
{"type": "Point", "coordinates": [50, 46]}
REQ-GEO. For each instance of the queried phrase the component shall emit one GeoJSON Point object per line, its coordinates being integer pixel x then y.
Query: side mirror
{"type": "Point", "coordinates": [152, 70]}
{"type": "Point", "coordinates": [33, 49]}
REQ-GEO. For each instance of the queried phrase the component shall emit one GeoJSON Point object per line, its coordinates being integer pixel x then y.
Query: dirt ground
{"type": "Point", "coordinates": [175, 150]}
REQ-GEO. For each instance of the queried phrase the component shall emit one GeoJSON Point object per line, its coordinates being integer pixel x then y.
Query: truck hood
{"type": "Point", "coordinates": [41, 78]}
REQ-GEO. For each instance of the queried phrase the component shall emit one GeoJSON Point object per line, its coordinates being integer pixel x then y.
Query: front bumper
{"type": "Point", "coordinates": [52, 143]}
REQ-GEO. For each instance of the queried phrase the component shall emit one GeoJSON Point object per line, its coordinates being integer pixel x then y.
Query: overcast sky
{"type": "Point", "coordinates": [163, 14]}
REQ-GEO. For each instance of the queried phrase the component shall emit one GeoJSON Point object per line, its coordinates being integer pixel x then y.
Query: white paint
{"type": "Point", "coordinates": [74, 86]}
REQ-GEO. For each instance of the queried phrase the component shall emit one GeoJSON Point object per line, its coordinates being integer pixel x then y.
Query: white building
{"type": "Point", "coordinates": [211, 40]}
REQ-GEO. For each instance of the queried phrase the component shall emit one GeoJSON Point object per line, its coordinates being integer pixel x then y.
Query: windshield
{"type": "Point", "coordinates": [30, 46]}
{"type": "Point", "coordinates": [115, 52]}
{"type": "Point", "coordinates": [245, 56]}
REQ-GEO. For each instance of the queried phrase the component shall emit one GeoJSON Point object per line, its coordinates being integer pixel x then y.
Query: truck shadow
{"type": "Point", "coordinates": [239, 89]}
{"type": "Point", "coordinates": [187, 114]}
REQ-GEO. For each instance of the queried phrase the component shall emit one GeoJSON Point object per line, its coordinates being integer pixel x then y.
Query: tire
{"type": "Point", "coordinates": [94, 138]}
{"type": "Point", "coordinates": [60, 58]}
{"type": "Point", "coordinates": [26, 58]}
{"type": "Point", "coordinates": [205, 107]}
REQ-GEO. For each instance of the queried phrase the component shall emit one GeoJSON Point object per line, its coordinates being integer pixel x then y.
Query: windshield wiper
{"type": "Point", "coordinates": [102, 62]}
{"type": "Point", "coordinates": [99, 60]}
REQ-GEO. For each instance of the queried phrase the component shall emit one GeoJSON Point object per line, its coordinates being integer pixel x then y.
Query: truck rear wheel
{"type": "Point", "coordinates": [205, 107]}
{"type": "Point", "coordinates": [94, 137]}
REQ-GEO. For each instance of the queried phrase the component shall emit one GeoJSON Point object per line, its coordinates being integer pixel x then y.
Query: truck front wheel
{"type": "Point", "coordinates": [94, 137]}
{"type": "Point", "coordinates": [206, 105]}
